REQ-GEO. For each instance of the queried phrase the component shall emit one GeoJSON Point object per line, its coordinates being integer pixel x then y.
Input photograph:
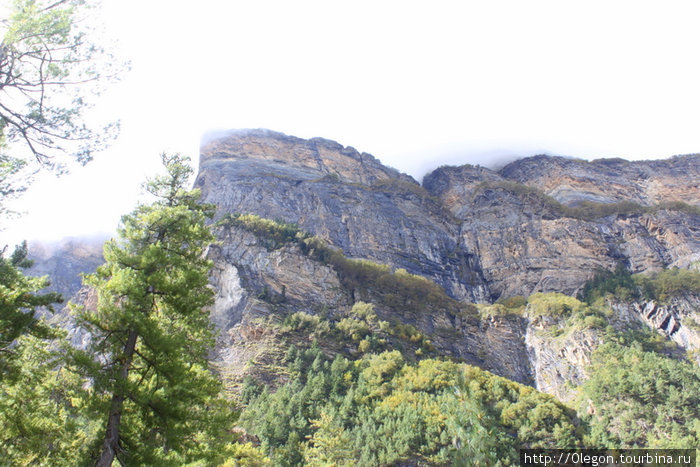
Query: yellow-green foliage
{"type": "Point", "coordinates": [668, 283]}
{"type": "Point", "coordinates": [641, 398]}
{"type": "Point", "coordinates": [619, 284]}
{"type": "Point", "coordinates": [553, 304]}
{"type": "Point", "coordinates": [245, 455]}
{"type": "Point", "coordinates": [570, 313]}
{"type": "Point", "coordinates": [497, 309]}
{"type": "Point", "coordinates": [361, 327]}
{"type": "Point", "coordinates": [354, 328]}
{"type": "Point", "coordinates": [300, 321]}
{"type": "Point", "coordinates": [381, 410]}
{"type": "Point", "coordinates": [330, 444]}
{"type": "Point", "coordinates": [272, 234]}
{"type": "Point", "coordinates": [362, 321]}
{"type": "Point", "coordinates": [407, 332]}
{"type": "Point", "coordinates": [513, 303]}
{"type": "Point", "coordinates": [364, 311]}
{"type": "Point", "coordinates": [397, 290]}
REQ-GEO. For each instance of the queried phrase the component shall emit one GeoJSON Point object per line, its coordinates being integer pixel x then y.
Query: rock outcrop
{"type": "Point", "coordinates": [527, 240]}
{"type": "Point", "coordinates": [347, 198]}
{"type": "Point", "coordinates": [572, 181]}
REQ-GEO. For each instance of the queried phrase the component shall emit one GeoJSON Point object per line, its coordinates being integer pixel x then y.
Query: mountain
{"type": "Point", "coordinates": [64, 261]}
{"type": "Point", "coordinates": [540, 224]}
{"type": "Point", "coordinates": [323, 247]}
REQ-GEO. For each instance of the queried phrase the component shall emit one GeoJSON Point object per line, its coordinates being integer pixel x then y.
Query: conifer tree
{"type": "Point", "coordinates": [40, 403]}
{"type": "Point", "coordinates": [151, 332]}
{"type": "Point", "coordinates": [19, 301]}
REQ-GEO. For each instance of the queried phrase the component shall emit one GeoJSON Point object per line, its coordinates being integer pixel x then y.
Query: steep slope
{"type": "Point", "coordinates": [528, 241]}
{"type": "Point", "coordinates": [573, 181]}
{"type": "Point", "coordinates": [65, 261]}
{"type": "Point", "coordinates": [343, 196]}
{"type": "Point", "coordinates": [261, 285]}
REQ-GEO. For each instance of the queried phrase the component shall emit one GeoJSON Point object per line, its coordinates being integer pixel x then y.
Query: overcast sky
{"type": "Point", "coordinates": [416, 84]}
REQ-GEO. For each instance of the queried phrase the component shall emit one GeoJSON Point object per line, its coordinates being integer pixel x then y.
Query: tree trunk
{"type": "Point", "coordinates": [111, 441]}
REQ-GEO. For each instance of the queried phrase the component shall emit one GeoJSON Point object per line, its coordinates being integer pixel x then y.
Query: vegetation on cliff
{"type": "Point", "coordinates": [395, 289]}
{"type": "Point", "coordinates": [380, 406]}
{"type": "Point", "coordinates": [661, 285]}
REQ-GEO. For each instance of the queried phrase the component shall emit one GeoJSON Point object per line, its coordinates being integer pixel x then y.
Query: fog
{"type": "Point", "coordinates": [417, 85]}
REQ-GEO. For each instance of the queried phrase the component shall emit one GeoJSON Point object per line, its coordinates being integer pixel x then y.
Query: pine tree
{"type": "Point", "coordinates": [151, 332]}
{"type": "Point", "coordinates": [19, 301]}
{"type": "Point", "coordinates": [330, 444]}
{"type": "Point", "coordinates": [43, 411]}
{"type": "Point", "coordinates": [40, 403]}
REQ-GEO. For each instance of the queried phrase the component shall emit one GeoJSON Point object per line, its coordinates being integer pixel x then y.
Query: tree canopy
{"type": "Point", "coordinates": [151, 331]}
{"type": "Point", "coordinates": [51, 68]}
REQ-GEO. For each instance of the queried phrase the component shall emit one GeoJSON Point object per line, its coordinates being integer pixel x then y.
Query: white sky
{"type": "Point", "coordinates": [416, 84]}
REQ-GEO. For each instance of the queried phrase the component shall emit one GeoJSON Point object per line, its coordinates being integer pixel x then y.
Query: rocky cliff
{"type": "Point", "coordinates": [345, 197]}
{"type": "Point", "coordinates": [540, 224]}
{"type": "Point", "coordinates": [479, 233]}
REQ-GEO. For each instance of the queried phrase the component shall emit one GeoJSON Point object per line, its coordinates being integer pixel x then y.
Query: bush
{"type": "Point", "coordinates": [398, 290]}
{"type": "Point", "coordinates": [555, 305]}
{"type": "Point", "coordinates": [272, 234]}
{"type": "Point", "coordinates": [381, 410]}
{"type": "Point", "coordinates": [639, 398]}
{"type": "Point", "coordinates": [311, 324]}
{"type": "Point", "coordinates": [353, 328]}
{"type": "Point", "coordinates": [618, 283]}
{"type": "Point", "coordinates": [668, 283]}
{"type": "Point", "coordinates": [514, 302]}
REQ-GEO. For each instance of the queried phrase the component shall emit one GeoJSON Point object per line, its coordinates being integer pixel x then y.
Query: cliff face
{"type": "Point", "coordinates": [65, 261]}
{"type": "Point", "coordinates": [531, 232]}
{"type": "Point", "coordinates": [572, 181]}
{"type": "Point", "coordinates": [541, 224]}
{"type": "Point", "coordinates": [347, 198]}
{"type": "Point", "coordinates": [480, 234]}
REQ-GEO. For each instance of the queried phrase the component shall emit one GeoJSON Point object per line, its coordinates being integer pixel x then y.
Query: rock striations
{"type": "Point", "coordinates": [479, 233]}
{"type": "Point", "coordinates": [347, 198]}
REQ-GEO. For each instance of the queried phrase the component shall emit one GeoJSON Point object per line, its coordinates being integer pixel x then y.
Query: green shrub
{"type": "Point", "coordinates": [305, 322]}
{"type": "Point", "coordinates": [618, 283]}
{"type": "Point", "coordinates": [381, 410]}
{"type": "Point", "coordinates": [398, 290]}
{"type": "Point", "coordinates": [272, 234]}
{"type": "Point", "coordinates": [514, 302]}
{"type": "Point", "coordinates": [622, 285]}
{"type": "Point", "coordinates": [639, 398]}
{"type": "Point", "coordinates": [354, 328]}
{"type": "Point", "coordinates": [553, 304]}
{"type": "Point", "coordinates": [668, 283]}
